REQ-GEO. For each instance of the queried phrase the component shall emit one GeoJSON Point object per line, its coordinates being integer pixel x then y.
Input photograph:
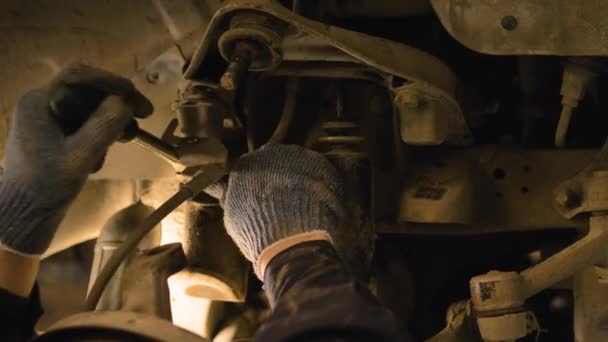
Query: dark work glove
{"type": "Point", "coordinates": [277, 197]}
{"type": "Point", "coordinates": [44, 169]}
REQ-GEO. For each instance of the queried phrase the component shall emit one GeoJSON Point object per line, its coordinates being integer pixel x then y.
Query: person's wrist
{"type": "Point", "coordinates": [302, 266]}
{"type": "Point", "coordinates": [27, 225]}
{"type": "Point", "coordinates": [276, 248]}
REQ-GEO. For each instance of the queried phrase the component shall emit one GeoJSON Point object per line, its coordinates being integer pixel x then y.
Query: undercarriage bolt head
{"type": "Point", "coordinates": [408, 99]}
{"type": "Point", "coordinates": [568, 199]}
{"type": "Point", "coordinates": [242, 57]}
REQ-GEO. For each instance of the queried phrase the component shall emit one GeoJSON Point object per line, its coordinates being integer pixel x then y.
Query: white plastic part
{"type": "Point", "coordinates": [509, 327]}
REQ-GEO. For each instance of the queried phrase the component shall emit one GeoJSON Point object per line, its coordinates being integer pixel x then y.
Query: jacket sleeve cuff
{"type": "Point", "coordinates": [313, 296]}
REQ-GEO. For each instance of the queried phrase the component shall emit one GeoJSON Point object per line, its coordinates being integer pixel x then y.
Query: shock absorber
{"type": "Point", "coordinates": [342, 141]}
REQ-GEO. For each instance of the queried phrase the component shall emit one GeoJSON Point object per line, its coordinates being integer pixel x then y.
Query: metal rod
{"type": "Point", "coordinates": [562, 127]}
{"type": "Point", "coordinates": [289, 109]}
{"type": "Point", "coordinates": [342, 139]}
{"type": "Point", "coordinates": [569, 261]}
{"type": "Point", "coordinates": [155, 145]}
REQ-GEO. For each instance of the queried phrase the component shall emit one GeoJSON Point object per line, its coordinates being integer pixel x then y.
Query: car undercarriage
{"type": "Point", "coordinates": [469, 135]}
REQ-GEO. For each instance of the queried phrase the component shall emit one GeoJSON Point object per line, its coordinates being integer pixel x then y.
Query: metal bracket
{"type": "Point", "coordinates": [326, 44]}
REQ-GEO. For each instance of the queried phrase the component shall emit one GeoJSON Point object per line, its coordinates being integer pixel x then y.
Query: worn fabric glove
{"type": "Point", "coordinates": [44, 169]}
{"type": "Point", "coordinates": [280, 193]}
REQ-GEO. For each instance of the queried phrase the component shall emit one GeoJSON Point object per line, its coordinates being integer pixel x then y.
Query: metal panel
{"type": "Point", "coordinates": [517, 189]}
{"type": "Point", "coordinates": [527, 27]}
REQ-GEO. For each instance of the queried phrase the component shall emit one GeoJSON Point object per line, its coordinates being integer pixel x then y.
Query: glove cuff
{"type": "Point", "coordinates": [276, 248]}
{"type": "Point", "coordinates": [25, 228]}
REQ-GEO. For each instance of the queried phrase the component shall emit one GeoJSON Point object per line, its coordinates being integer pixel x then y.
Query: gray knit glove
{"type": "Point", "coordinates": [44, 169]}
{"type": "Point", "coordinates": [278, 192]}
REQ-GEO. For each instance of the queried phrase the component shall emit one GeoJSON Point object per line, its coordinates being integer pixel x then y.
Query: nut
{"type": "Point", "coordinates": [568, 199]}
{"type": "Point", "coordinates": [408, 99]}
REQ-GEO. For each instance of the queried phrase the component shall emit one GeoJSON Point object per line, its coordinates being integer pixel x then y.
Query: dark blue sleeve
{"type": "Point", "coordinates": [18, 315]}
{"type": "Point", "coordinates": [314, 298]}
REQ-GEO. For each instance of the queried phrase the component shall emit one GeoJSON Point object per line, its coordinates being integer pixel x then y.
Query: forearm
{"type": "Point", "coordinates": [314, 298]}
{"type": "Point", "coordinates": [18, 273]}
{"type": "Point", "coordinates": [18, 299]}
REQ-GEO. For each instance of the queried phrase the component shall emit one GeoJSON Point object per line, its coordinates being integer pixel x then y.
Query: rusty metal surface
{"type": "Point", "coordinates": [517, 192]}
{"type": "Point", "coordinates": [216, 268]}
{"type": "Point", "coordinates": [144, 286]}
{"type": "Point", "coordinates": [307, 41]}
{"type": "Point", "coordinates": [380, 54]}
{"type": "Point", "coordinates": [158, 81]}
{"type": "Point", "coordinates": [539, 27]}
{"type": "Point", "coordinates": [584, 191]}
{"type": "Point", "coordinates": [114, 233]}
{"type": "Point", "coordinates": [430, 118]}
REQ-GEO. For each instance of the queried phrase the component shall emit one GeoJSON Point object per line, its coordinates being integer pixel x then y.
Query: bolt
{"type": "Point", "coordinates": [568, 199]}
{"type": "Point", "coordinates": [241, 59]}
{"type": "Point", "coordinates": [408, 99]}
{"type": "Point", "coordinates": [509, 23]}
{"type": "Point", "coordinates": [153, 77]}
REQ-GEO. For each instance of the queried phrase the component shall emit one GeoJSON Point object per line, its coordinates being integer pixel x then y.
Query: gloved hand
{"type": "Point", "coordinates": [44, 170]}
{"type": "Point", "coordinates": [277, 197]}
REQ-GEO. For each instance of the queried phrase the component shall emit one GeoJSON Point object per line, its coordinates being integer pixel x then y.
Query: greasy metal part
{"type": "Point", "coordinates": [341, 139]}
{"type": "Point", "coordinates": [237, 69]}
{"type": "Point", "coordinates": [216, 269]}
{"type": "Point", "coordinates": [114, 233]}
{"type": "Point", "coordinates": [299, 48]}
{"type": "Point", "coordinates": [451, 194]}
{"type": "Point", "coordinates": [117, 326]}
{"type": "Point", "coordinates": [532, 27]}
{"type": "Point", "coordinates": [200, 113]}
{"type": "Point", "coordinates": [155, 145]}
{"type": "Point", "coordinates": [355, 240]}
{"type": "Point", "coordinates": [199, 181]}
{"type": "Point", "coordinates": [383, 57]}
{"type": "Point", "coordinates": [585, 191]}
{"type": "Point", "coordinates": [378, 8]}
{"type": "Point", "coordinates": [310, 41]}
{"type": "Point", "coordinates": [144, 286]}
{"type": "Point", "coordinates": [187, 153]}
{"type": "Point", "coordinates": [289, 108]}
{"type": "Point", "coordinates": [252, 42]}
{"type": "Point", "coordinates": [428, 117]}
{"type": "Point", "coordinates": [254, 36]}
{"type": "Point", "coordinates": [483, 190]}
{"type": "Point", "coordinates": [158, 82]}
